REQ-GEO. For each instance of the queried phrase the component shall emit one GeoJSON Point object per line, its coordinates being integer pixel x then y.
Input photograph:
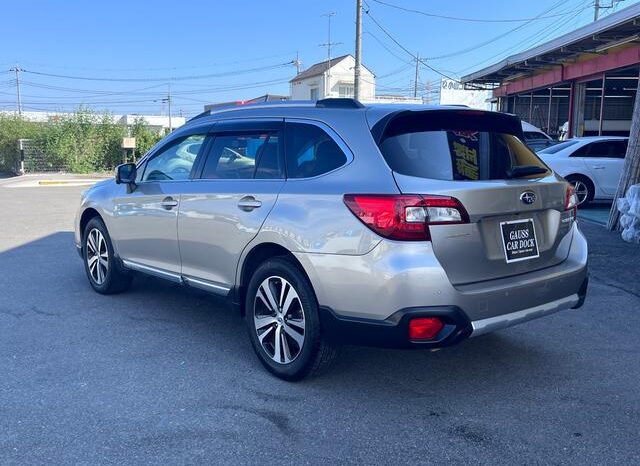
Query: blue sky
{"type": "Point", "coordinates": [130, 51]}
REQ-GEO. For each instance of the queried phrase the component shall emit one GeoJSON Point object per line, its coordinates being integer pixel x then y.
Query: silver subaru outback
{"type": "Point", "coordinates": [331, 222]}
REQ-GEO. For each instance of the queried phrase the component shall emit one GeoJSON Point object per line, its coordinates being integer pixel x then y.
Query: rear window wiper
{"type": "Point", "coordinates": [525, 170]}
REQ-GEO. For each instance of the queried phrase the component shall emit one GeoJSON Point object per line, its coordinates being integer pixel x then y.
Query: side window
{"type": "Point", "coordinates": [618, 149]}
{"type": "Point", "coordinates": [599, 149]}
{"type": "Point", "coordinates": [582, 151]}
{"type": "Point", "coordinates": [243, 156]}
{"type": "Point", "coordinates": [311, 151]}
{"type": "Point", "coordinates": [175, 161]}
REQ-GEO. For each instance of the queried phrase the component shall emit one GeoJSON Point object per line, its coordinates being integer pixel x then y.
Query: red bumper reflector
{"type": "Point", "coordinates": [424, 328]}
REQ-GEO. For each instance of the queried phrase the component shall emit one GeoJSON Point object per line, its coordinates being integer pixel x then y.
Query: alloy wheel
{"type": "Point", "coordinates": [581, 191]}
{"type": "Point", "coordinates": [279, 319]}
{"type": "Point", "coordinates": [97, 256]}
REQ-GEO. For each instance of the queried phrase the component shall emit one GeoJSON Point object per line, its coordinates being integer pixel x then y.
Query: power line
{"type": "Point", "coordinates": [531, 40]}
{"type": "Point", "coordinates": [164, 79]}
{"type": "Point", "coordinates": [475, 47]}
{"type": "Point", "coordinates": [395, 41]}
{"type": "Point", "coordinates": [166, 68]}
{"type": "Point", "coordinates": [469, 20]}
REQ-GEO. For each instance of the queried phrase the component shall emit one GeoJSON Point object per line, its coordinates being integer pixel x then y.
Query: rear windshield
{"type": "Point", "coordinates": [459, 149]}
{"type": "Point", "coordinates": [558, 147]}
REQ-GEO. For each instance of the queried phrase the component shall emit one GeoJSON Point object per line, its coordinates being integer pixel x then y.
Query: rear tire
{"type": "Point", "coordinates": [585, 190]}
{"type": "Point", "coordinates": [283, 323]}
{"type": "Point", "coordinates": [104, 271]}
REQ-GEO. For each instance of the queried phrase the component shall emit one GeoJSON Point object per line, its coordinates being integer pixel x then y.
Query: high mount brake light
{"type": "Point", "coordinates": [405, 217]}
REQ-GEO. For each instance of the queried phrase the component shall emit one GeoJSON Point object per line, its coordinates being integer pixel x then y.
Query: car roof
{"type": "Point", "coordinates": [322, 110]}
{"type": "Point", "coordinates": [598, 138]}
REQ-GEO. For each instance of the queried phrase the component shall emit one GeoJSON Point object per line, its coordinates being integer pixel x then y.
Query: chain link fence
{"type": "Point", "coordinates": [32, 160]}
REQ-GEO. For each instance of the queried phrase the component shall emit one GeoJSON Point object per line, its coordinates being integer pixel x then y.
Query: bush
{"type": "Point", "coordinates": [13, 128]}
{"type": "Point", "coordinates": [80, 142]}
{"type": "Point", "coordinates": [145, 137]}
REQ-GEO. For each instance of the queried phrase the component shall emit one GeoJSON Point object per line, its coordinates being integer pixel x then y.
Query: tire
{"type": "Point", "coordinates": [585, 186]}
{"type": "Point", "coordinates": [105, 273]}
{"type": "Point", "coordinates": [301, 351]}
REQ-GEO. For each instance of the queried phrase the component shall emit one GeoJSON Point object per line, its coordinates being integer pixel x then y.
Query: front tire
{"type": "Point", "coordinates": [104, 271]}
{"type": "Point", "coordinates": [283, 323]}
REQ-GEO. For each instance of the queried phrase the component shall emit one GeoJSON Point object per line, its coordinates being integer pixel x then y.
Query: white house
{"type": "Point", "coordinates": [333, 78]}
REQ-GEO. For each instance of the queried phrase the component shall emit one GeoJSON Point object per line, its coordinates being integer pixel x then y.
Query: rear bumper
{"type": "Point", "coordinates": [393, 332]}
{"type": "Point", "coordinates": [364, 293]}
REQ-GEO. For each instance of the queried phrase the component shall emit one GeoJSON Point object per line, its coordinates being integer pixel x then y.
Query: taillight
{"type": "Point", "coordinates": [405, 217]}
{"type": "Point", "coordinates": [571, 200]}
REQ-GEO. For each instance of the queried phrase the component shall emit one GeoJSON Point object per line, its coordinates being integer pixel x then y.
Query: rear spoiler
{"type": "Point", "coordinates": [415, 121]}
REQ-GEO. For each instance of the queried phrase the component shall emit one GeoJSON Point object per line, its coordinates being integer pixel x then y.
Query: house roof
{"type": "Point", "coordinates": [319, 68]}
{"type": "Point", "coordinates": [587, 39]}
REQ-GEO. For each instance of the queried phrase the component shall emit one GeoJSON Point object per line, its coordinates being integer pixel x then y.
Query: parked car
{"type": "Point", "coordinates": [593, 165]}
{"type": "Point", "coordinates": [331, 222]}
{"type": "Point", "coordinates": [535, 138]}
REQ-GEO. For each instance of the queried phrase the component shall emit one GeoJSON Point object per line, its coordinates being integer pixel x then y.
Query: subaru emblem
{"type": "Point", "coordinates": [528, 197]}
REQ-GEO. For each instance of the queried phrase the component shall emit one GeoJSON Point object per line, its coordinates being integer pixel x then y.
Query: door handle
{"type": "Point", "coordinates": [168, 203]}
{"type": "Point", "coordinates": [598, 167]}
{"type": "Point", "coordinates": [248, 203]}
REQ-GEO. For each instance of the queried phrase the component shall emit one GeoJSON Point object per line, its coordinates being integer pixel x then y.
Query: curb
{"type": "Point", "coordinates": [66, 182]}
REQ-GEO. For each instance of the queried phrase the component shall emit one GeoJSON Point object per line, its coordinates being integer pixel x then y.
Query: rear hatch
{"type": "Point", "coordinates": [510, 196]}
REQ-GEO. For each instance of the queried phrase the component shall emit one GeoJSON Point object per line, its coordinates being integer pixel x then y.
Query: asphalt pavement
{"type": "Point", "coordinates": [166, 375]}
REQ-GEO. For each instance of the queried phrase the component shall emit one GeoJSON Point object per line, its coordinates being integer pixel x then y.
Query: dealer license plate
{"type": "Point", "coordinates": [519, 240]}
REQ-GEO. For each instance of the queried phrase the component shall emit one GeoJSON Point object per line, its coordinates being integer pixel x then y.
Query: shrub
{"type": "Point", "coordinates": [13, 128]}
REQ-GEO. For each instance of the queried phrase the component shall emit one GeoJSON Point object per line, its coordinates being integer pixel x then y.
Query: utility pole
{"type": "Point", "coordinates": [169, 101]}
{"type": "Point", "coordinates": [327, 84]}
{"type": "Point", "coordinates": [597, 6]}
{"type": "Point", "coordinates": [297, 63]}
{"type": "Point", "coordinates": [17, 70]}
{"type": "Point", "coordinates": [356, 71]}
{"type": "Point", "coordinates": [415, 83]}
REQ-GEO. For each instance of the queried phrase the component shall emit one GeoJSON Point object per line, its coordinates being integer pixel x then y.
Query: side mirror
{"type": "Point", "coordinates": [126, 173]}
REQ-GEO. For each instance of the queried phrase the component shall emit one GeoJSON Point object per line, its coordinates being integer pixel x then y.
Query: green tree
{"type": "Point", "coordinates": [146, 138]}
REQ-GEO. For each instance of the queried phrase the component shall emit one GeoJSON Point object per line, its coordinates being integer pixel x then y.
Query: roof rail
{"type": "Point", "coordinates": [340, 102]}
{"type": "Point", "coordinates": [200, 115]}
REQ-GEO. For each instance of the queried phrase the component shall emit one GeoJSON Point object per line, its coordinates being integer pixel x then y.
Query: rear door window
{"type": "Point", "coordinates": [608, 149]}
{"type": "Point", "coordinates": [243, 156]}
{"type": "Point", "coordinates": [310, 151]}
{"type": "Point", "coordinates": [452, 147]}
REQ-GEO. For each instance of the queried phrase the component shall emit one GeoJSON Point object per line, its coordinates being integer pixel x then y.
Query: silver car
{"type": "Point", "coordinates": [331, 222]}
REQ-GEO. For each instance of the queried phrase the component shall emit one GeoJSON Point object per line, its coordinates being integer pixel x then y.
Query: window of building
{"type": "Point", "coordinates": [345, 90]}
{"type": "Point", "coordinates": [311, 151]}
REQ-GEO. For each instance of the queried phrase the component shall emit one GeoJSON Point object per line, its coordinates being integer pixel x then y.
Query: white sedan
{"type": "Point", "coordinates": [592, 164]}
